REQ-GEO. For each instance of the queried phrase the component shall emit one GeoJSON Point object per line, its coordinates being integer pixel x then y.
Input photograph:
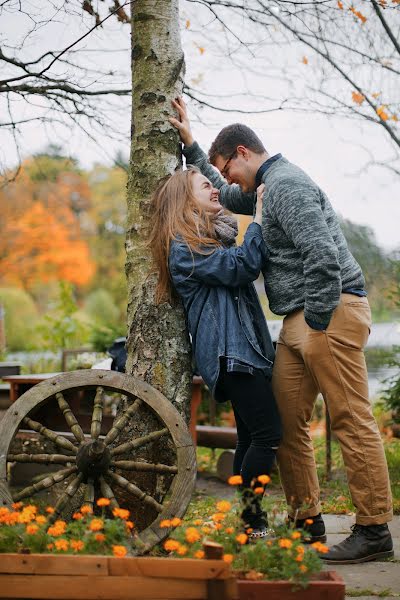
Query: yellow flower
{"type": "Point", "coordinates": [103, 502]}
{"type": "Point", "coordinates": [182, 550]}
{"type": "Point", "coordinates": [296, 535]}
{"type": "Point", "coordinates": [264, 479]}
{"type": "Point", "coordinates": [61, 545]}
{"type": "Point", "coordinates": [205, 530]}
{"type": "Point", "coordinates": [235, 480]}
{"type": "Point", "coordinates": [100, 537]}
{"type": "Point", "coordinates": [119, 551]}
{"type": "Point", "coordinates": [77, 545]}
{"type": "Point", "coordinates": [199, 554]}
{"type": "Point", "coordinates": [218, 517]}
{"type": "Point", "coordinates": [241, 538]}
{"type": "Point", "coordinates": [171, 545]}
{"type": "Point", "coordinates": [223, 506]}
{"type": "Point", "coordinates": [228, 558]}
{"type": "Point", "coordinates": [175, 522]}
{"type": "Point", "coordinates": [192, 535]}
{"type": "Point", "coordinates": [32, 529]}
{"type": "Point", "coordinates": [285, 543]}
{"type": "Point", "coordinates": [259, 490]}
{"type": "Point", "coordinates": [165, 523]}
{"type": "Point", "coordinates": [86, 509]}
{"type": "Point", "coordinates": [96, 524]}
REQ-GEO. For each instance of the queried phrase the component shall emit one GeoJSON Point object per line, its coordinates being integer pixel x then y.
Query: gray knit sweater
{"type": "Point", "coordinates": [309, 263]}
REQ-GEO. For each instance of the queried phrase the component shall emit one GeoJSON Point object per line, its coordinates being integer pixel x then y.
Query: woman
{"type": "Point", "coordinates": [193, 246]}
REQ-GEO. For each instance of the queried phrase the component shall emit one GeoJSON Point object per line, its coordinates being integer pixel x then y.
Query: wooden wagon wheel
{"type": "Point", "coordinates": [92, 460]}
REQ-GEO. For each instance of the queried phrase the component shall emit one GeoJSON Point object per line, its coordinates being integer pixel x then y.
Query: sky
{"type": "Point", "coordinates": [333, 151]}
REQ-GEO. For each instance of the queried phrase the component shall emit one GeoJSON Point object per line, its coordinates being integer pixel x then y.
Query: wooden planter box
{"type": "Point", "coordinates": [327, 586]}
{"type": "Point", "coordinates": [58, 577]}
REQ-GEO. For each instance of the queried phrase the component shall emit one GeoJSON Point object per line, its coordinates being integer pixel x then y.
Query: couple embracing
{"type": "Point", "coordinates": [314, 281]}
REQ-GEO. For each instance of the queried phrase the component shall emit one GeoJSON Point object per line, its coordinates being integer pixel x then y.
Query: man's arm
{"type": "Point", "coordinates": [298, 209]}
{"type": "Point", "coordinates": [231, 196]}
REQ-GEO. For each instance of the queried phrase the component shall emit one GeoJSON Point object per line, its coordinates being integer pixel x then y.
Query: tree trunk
{"type": "Point", "coordinates": [158, 346]}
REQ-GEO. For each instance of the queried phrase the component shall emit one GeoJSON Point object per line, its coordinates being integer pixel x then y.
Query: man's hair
{"type": "Point", "coordinates": [231, 137]}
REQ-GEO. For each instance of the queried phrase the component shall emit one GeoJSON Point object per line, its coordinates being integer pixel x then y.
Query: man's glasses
{"type": "Point", "coordinates": [225, 170]}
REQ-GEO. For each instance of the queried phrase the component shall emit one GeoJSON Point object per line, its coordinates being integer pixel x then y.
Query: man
{"type": "Point", "coordinates": [312, 278]}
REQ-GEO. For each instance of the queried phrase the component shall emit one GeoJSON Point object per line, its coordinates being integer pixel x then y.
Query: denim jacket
{"type": "Point", "coordinates": [221, 304]}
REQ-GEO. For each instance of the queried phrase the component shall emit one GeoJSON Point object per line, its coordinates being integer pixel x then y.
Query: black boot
{"type": "Point", "coordinates": [366, 542]}
{"type": "Point", "coordinates": [253, 516]}
{"type": "Point", "coordinates": [314, 531]}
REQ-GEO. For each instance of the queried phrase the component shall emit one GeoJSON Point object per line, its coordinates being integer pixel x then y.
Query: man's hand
{"type": "Point", "coordinates": [259, 205]}
{"type": "Point", "coordinates": [182, 124]}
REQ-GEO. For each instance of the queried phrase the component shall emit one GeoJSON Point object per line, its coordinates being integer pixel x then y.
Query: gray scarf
{"type": "Point", "coordinates": [226, 228]}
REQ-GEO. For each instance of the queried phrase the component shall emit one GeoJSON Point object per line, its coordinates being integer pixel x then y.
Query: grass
{"type": "Point", "coordinates": [335, 495]}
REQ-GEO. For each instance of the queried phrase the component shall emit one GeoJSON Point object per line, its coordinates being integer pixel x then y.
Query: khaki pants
{"type": "Point", "coordinates": [331, 362]}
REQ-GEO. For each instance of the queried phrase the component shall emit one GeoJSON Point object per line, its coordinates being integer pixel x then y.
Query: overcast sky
{"type": "Point", "coordinates": [331, 150]}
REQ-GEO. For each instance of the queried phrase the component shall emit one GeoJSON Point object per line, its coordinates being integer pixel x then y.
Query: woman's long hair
{"type": "Point", "coordinates": [175, 214]}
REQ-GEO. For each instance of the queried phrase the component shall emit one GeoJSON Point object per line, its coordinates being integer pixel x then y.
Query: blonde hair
{"type": "Point", "coordinates": [176, 214]}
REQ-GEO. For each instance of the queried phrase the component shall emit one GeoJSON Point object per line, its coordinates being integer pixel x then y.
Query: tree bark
{"type": "Point", "coordinates": [157, 345]}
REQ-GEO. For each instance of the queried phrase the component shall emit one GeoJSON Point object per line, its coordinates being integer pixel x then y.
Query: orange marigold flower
{"type": "Point", "coordinates": [30, 508]}
{"type": "Point", "coordinates": [199, 554]}
{"type": "Point", "coordinates": [249, 530]}
{"type": "Point", "coordinates": [340, 5]}
{"type": "Point", "coordinates": [77, 516]}
{"type": "Point", "coordinates": [218, 517]}
{"type": "Point", "coordinates": [296, 535]}
{"type": "Point", "coordinates": [320, 547]}
{"type": "Point", "coordinates": [299, 558]}
{"type": "Point", "coordinates": [300, 549]}
{"type": "Point", "coordinates": [41, 519]}
{"type": "Point", "coordinates": [61, 545]}
{"type": "Point", "coordinates": [218, 526]}
{"type": "Point", "coordinates": [259, 490]}
{"type": "Point", "coordinates": [235, 480]}
{"type": "Point", "coordinates": [103, 502]}
{"type": "Point", "coordinates": [50, 546]}
{"type": "Point", "coordinates": [121, 513]}
{"type": "Point", "coordinates": [309, 521]}
{"type": "Point", "coordinates": [16, 505]}
{"type": "Point", "coordinates": [285, 543]}
{"type": "Point", "coordinates": [192, 535]}
{"type": "Point", "coordinates": [198, 522]}
{"type": "Point", "coordinates": [165, 523]}
{"type": "Point", "coordinates": [357, 98]}
{"type": "Point", "coordinates": [182, 550]}
{"type": "Point", "coordinates": [129, 525]}
{"type": "Point", "coordinates": [303, 568]}
{"type": "Point", "coordinates": [264, 479]}
{"type": "Point", "coordinates": [50, 510]}
{"type": "Point", "coordinates": [176, 521]}
{"type": "Point", "coordinates": [100, 537]}
{"type": "Point", "coordinates": [206, 530]}
{"type": "Point", "coordinates": [119, 551]}
{"type": "Point", "coordinates": [381, 112]}
{"type": "Point", "coordinates": [96, 524]}
{"type": "Point", "coordinates": [304, 60]}
{"type": "Point", "coordinates": [171, 545]}
{"type": "Point", "coordinates": [32, 529]}
{"type": "Point", "coordinates": [229, 530]}
{"type": "Point", "coordinates": [77, 545]}
{"type": "Point", "coordinates": [86, 509]}
{"type": "Point", "coordinates": [241, 538]}
{"type": "Point", "coordinates": [223, 506]}
{"type": "Point", "coordinates": [228, 558]}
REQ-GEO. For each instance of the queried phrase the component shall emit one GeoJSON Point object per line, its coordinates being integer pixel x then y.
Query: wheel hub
{"type": "Point", "coordinates": [93, 458]}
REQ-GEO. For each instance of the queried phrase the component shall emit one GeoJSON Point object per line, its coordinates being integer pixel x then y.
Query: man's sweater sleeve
{"type": "Point", "coordinates": [230, 196]}
{"type": "Point", "coordinates": [297, 208]}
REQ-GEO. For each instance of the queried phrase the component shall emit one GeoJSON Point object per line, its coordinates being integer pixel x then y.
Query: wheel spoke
{"type": "Point", "coordinates": [133, 489]}
{"type": "Point", "coordinates": [46, 459]}
{"type": "Point", "coordinates": [89, 494]}
{"type": "Point", "coordinates": [131, 465]}
{"type": "Point", "coordinates": [67, 495]}
{"type": "Point", "coordinates": [154, 435]}
{"type": "Point", "coordinates": [107, 492]}
{"type": "Point", "coordinates": [57, 439]}
{"type": "Point", "coordinates": [97, 415]}
{"type": "Point", "coordinates": [120, 423]}
{"type": "Point", "coordinates": [44, 484]}
{"type": "Point", "coordinates": [70, 418]}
